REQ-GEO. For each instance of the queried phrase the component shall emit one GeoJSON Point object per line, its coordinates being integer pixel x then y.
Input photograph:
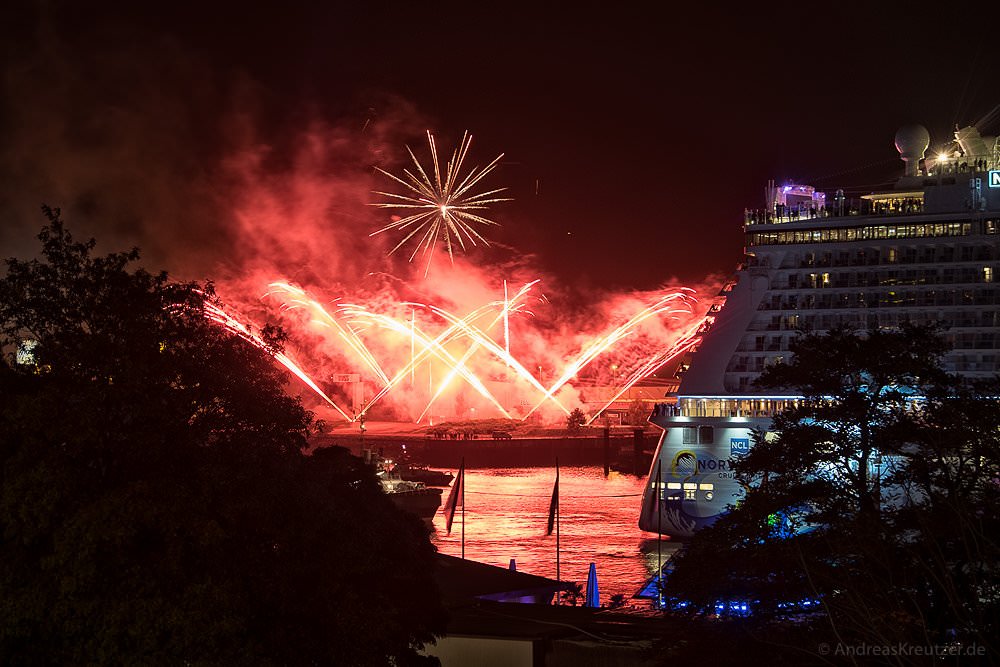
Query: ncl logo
{"type": "Point", "coordinates": [739, 446]}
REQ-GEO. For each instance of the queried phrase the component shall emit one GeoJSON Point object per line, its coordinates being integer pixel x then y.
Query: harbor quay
{"type": "Point", "coordinates": [622, 448]}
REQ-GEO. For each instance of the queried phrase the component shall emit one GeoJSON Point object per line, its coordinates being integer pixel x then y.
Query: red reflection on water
{"type": "Point", "coordinates": [506, 512]}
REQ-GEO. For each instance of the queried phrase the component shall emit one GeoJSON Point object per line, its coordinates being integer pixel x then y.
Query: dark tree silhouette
{"type": "Point", "coordinates": [877, 506]}
{"type": "Point", "coordinates": [575, 420]}
{"type": "Point", "coordinates": [156, 504]}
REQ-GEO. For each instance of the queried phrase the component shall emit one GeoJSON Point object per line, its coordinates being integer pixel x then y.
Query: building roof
{"type": "Point", "coordinates": [464, 580]}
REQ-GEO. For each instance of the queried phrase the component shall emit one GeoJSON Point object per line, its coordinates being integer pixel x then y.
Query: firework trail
{"type": "Point", "coordinates": [415, 357]}
{"type": "Point", "coordinates": [482, 339]}
{"type": "Point", "coordinates": [218, 315]}
{"type": "Point", "coordinates": [663, 305]}
{"type": "Point", "coordinates": [295, 297]}
{"type": "Point", "coordinates": [685, 343]}
{"type": "Point", "coordinates": [354, 323]}
{"type": "Point", "coordinates": [438, 349]}
{"type": "Point", "coordinates": [440, 209]}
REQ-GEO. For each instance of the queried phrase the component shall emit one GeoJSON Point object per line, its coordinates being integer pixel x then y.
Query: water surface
{"type": "Point", "coordinates": [505, 517]}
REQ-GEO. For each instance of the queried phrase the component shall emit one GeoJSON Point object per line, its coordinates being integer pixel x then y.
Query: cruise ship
{"type": "Point", "coordinates": [926, 250]}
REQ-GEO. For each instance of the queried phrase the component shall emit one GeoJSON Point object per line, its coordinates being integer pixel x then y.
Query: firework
{"type": "Point", "coordinates": [683, 344]}
{"type": "Point", "coordinates": [474, 348]}
{"type": "Point", "coordinates": [665, 305]}
{"type": "Point", "coordinates": [443, 208]}
{"type": "Point", "coordinates": [296, 298]}
{"type": "Point", "coordinates": [231, 324]}
{"type": "Point", "coordinates": [431, 345]}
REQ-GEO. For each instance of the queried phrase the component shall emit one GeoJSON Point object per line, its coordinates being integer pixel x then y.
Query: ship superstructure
{"type": "Point", "coordinates": [927, 250]}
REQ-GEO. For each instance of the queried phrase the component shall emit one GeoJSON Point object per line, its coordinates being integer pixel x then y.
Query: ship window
{"type": "Point", "coordinates": [706, 487]}
{"type": "Point", "coordinates": [987, 274]}
{"type": "Point", "coordinates": [673, 485]}
{"type": "Point", "coordinates": [706, 435]}
{"type": "Point", "coordinates": [690, 435]}
{"type": "Point", "coordinates": [689, 494]}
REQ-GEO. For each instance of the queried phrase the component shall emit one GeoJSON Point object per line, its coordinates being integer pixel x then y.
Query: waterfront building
{"type": "Point", "coordinates": [926, 250]}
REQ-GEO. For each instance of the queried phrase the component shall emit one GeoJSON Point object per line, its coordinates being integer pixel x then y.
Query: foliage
{"type": "Point", "coordinates": [877, 507]}
{"type": "Point", "coordinates": [573, 594]}
{"type": "Point", "coordinates": [638, 413]}
{"type": "Point", "coordinates": [156, 505]}
{"type": "Point", "coordinates": [575, 420]}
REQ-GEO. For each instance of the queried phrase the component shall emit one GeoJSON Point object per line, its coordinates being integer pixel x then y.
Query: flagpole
{"type": "Point", "coordinates": [463, 509]}
{"type": "Point", "coordinates": [455, 496]}
{"type": "Point", "coordinates": [553, 522]}
{"type": "Point", "coordinates": [558, 573]}
{"type": "Point", "coordinates": [659, 532]}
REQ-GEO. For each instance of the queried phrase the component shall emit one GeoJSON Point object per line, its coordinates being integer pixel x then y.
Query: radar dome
{"type": "Point", "coordinates": [911, 142]}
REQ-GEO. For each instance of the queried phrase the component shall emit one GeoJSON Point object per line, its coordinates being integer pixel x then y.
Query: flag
{"type": "Point", "coordinates": [455, 498]}
{"type": "Point", "coordinates": [553, 505]}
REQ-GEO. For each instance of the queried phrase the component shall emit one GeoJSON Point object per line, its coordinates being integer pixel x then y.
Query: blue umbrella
{"type": "Point", "coordinates": [513, 565]}
{"type": "Point", "coordinates": [593, 596]}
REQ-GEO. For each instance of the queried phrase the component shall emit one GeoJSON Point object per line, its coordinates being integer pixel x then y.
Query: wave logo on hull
{"type": "Point", "coordinates": [683, 517]}
{"type": "Point", "coordinates": [684, 464]}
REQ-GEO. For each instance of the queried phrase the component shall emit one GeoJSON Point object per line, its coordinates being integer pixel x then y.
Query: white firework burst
{"type": "Point", "coordinates": [443, 208]}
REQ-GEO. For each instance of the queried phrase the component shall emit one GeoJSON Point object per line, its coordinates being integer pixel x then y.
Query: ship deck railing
{"type": "Point", "coordinates": [850, 209]}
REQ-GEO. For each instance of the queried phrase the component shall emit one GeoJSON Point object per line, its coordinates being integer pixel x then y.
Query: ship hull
{"type": "Point", "coordinates": [697, 483]}
{"type": "Point", "coordinates": [423, 503]}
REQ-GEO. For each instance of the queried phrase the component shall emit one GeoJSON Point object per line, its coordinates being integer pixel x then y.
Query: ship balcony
{"type": "Point", "coordinates": [849, 208]}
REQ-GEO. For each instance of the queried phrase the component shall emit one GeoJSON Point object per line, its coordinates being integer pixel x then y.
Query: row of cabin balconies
{"type": "Point", "coordinates": [890, 279]}
{"type": "Point", "coordinates": [928, 252]}
{"type": "Point", "coordinates": [882, 299]}
{"type": "Point", "coordinates": [937, 254]}
{"type": "Point", "coordinates": [985, 338]}
{"type": "Point", "coordinates": [980, 356]}
{"type": "Point", "coordinates": [867, 318]}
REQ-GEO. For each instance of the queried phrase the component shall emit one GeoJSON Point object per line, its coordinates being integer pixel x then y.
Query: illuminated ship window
{"type": "Point", "coordinates": [690, 485]}
{"type": "Point", "coordinates": [706, 487]}
{"type": "Point", "coordinates": [673, 485]}
{"type": "Point", "coordinates": [689, 494]}
{"type": "Point", "coordinates": [987, 274]}
{"type": "Point", "coordinates": [866, 232]}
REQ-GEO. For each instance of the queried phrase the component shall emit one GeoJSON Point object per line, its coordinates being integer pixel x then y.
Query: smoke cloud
{"type": "Point", "coordinates": [212, 179]}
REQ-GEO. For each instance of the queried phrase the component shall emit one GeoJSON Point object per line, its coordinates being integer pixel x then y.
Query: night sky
{"type": "Point", "coordinates": [633, 138]}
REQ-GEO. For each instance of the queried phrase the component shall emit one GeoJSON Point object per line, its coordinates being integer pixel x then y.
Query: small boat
{"type": "Point", "coordinates": [417, 473]}
{"type": "Point", "coordinates": [414, 497]}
